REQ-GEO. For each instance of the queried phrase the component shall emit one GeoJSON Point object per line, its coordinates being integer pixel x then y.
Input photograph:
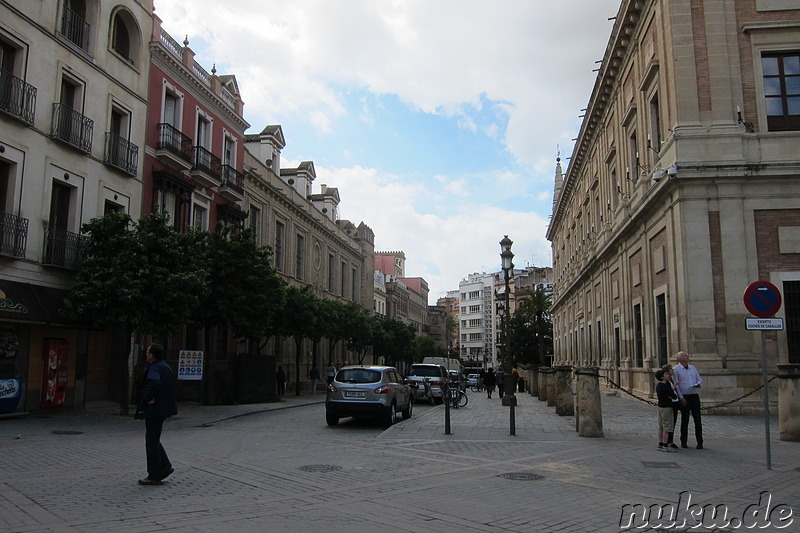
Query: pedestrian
{"type": "Point", "coordinates": [156, 403]}
{"type": "Point", "coordinates": [688, 380]}
{"type": "Point", "coordinates": [280, 380]}
{"type": "Point", "coordinates": [313, 374]}
{"type": "Point", "coordinates": [666, 394]}
{"type": "Point", "coordinates": [514, 379]}
{"type": "Point", "coordinates": [501, 381]}
{"type": "Point", "coordinates": [330, 373]}
{"type": "Point", "coordinates": [481, 376]}
{"type": "Point", "coordinates": [489, 381]}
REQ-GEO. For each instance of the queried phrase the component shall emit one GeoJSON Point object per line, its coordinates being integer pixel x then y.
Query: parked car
{"type": "Point", "coordinates": [435, 375]}
{"type": "Point", "coordinates": [472, 380]}
{"type": "Point", "coordinates": [368, 391]}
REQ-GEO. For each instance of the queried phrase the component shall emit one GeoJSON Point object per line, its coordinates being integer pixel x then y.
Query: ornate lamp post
{"type": "Point", "coordinates": [509, 399]}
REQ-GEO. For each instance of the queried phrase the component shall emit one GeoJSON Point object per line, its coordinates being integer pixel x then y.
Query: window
{"type": "Point", "coordinates": [61, 247]}
{"type": "Point", "coordinates": [173, 108]}
{"type": "Point", "coordinates": [633, 157]}
{"type": "Point", "coordinates": [16, 97]}
{"type": "Point", "coordinates": [228, 150]}
{"type": "Point", "coordinates": [73, 23]}
{"type": "Point", "coordinates": [791, 295]}
{"type": "Point", "coordinates": [121, 38]}
{"type": "Point", "coordinates": [120, 152]}
{"type": "Point", "coordinates": [782, 90]}
{"type": "Point", "coordinates": [474, 308]}
{"type": "Point", "coordinates": [476, 336]}
{"type": "Point", "coordinates": [661, 328]}
{"type": "Point", "coordinates": [203, 136]}
{"type": "Point", "coordinates": [654, 137]}
{"type": "Point", "coordinates": [167, 204]}
{"type": "Point", "coordinates": [331, 271]}
{"type": "Point", "coordinates": [474, 294]}
{"type": "Point", "coordinates": [255, 222]}
{"type": "Point", "coordinates": [69, 123]}
{"type": "Point", "coordinates": [199, 216]}
{"type": "Point", "coordinates": [344, 279]}
{"type": "Point", "coordinates": [299, 257]}
{"type": "Point", "coordinates": [475, 322]}
{"type": "Point", "coordinates": [278, 250]}
{"type": "Point", "coordinates": [353, 284]}
{"type": "Point", "coordinates": [637, 334]}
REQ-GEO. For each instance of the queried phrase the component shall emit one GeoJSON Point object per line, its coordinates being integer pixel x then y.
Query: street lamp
{"type": "Point", "coordinates": [509, 399]}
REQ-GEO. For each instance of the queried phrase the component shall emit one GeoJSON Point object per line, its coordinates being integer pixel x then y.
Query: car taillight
{"type": "Point", "coordinates": [331, 388]}
{"type": "Point", "coordinates": [383, 389]}
{"type": "Point", "coordinates": [438, 383]}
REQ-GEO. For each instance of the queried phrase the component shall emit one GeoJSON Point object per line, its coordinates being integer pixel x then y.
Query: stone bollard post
{"type": "Point", "coordinates": [565, 404]}
{"type": "Point", "coordinates": [543, 383]}
{"type": "Point", "coordinates": [789, 402]}
{"type": "Point", "coordinates": [533, 380]}
{"type": "Point", "coordinates": [590, 412]}
{"type": "Point", "coordinates": [551, 387]}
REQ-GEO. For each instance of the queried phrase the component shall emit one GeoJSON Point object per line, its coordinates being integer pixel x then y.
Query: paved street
{"type": "Point", "coordinates": [278, 467]}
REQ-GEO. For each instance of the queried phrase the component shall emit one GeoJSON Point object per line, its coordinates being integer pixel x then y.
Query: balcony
{"type": "Point", "coordinates": [173, 147]}
{"type": "Point", "coordinates": [17, 98]}
{"type": "Point", "coordinates": [13, 235]}
{"type": "Point", "coordinates": [75, 29]}
{"type": "Point", "coordinates": [121, 154]}
{"type": "Point", "coordinates": [71, 127]}
{"type": "Point", "coordinates": [62, 248]}
{"type": "Point", "coordinates": [207, 168]}
{"type": "Point", "coordinates": [232, 186]}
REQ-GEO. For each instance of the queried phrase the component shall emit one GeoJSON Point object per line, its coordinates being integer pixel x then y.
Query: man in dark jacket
{"type": "Point", "coordinates": [156, 404]}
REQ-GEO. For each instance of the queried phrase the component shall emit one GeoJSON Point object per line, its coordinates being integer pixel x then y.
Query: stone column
{"type": "Point", "coordinates": [565, 404]}
{"type": "Point", "coordinates": [789, 402]}
{"type": "Point", "coordinates": [551, 387]}
{"type": "Point", "coordinates": [533, 380]}
{"type": "Point", "coordinates": [543, 383]}
{"type": "Point", "coordinates": [590, 412]}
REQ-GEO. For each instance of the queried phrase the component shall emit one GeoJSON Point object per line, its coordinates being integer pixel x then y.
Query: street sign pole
{"type": "Point", "coordinates": [766, 395]}
{"type": "Point", "coordinates": [763, 299]}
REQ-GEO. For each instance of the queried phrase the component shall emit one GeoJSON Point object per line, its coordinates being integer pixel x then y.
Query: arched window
{"type": "Point", "coordinates": [125, 35]}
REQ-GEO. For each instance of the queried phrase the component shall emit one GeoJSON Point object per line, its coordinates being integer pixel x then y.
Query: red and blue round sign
{"type": "Point", "coordinates": [762, 298]}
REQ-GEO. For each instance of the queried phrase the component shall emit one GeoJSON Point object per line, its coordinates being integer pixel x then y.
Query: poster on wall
{"type": "Point", "coordinates": [190, 365]}
{"type": "Point", "coordinates": [54, 372]}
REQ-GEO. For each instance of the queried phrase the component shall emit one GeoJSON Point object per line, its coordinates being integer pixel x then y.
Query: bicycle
{"type": "Point", "coordinates": [455, 396]}
{"type": "Point", "coordinates": [477, 387]}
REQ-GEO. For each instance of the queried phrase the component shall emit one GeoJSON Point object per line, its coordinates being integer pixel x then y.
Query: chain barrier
{"type": "Point", "coordinates": [704, 408]}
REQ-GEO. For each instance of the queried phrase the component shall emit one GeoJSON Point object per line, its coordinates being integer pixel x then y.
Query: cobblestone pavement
{"type": "Point", "coordinates": [278, 467]}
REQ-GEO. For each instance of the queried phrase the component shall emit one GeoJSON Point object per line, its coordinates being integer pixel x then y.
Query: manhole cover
{"type": "Point", "coordinates": [319, 468]}
{"type": "Point", "coordinates": [521, 476]}
{"type": "Point", "coordinates": [660, 464]}
{"type": "Point", "coordinates": [67, 432]}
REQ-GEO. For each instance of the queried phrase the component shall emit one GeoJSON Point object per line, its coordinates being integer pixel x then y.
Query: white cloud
{"type": "Point", "coordinates": [532, 59]}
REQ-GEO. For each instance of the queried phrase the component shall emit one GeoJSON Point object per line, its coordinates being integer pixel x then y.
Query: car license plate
{"type": "Point", "coordinates": [355, 394]}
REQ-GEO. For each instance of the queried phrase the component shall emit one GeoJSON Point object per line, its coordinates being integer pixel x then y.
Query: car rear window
{"type": "Point", "coordinates": [425, 371]}
{"type": "Point", "coordinates": [358, 375]}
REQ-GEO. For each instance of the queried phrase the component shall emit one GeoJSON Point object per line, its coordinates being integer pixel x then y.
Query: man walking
{"type": "Point", "coordinates": [156, 403]}
{"type": "Point", "coordinates": [688, 380]}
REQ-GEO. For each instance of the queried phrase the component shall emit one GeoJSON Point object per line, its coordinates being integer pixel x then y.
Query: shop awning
{"type": "Point", "coordinates": [18, 302]}
{"type": "Point", "coordinates": [28, 302]}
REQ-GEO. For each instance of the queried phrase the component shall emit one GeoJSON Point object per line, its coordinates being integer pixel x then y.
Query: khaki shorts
{"type": "Point", "coordinates": [665, 420]}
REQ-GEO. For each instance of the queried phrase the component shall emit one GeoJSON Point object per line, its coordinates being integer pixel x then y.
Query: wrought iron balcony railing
{"type": "Point", "coordinates": [13, 235]}
{"type": "Point", "coordinates": [172, 140]}
{"type": "Point", "coordinates": [121, 154]}
{"type": "Point", "coordinates": [17, 98]}
{"type": "Point", "coordinates": [72, 127]}
{"type": "Point", "coordinates": [75, 29]}
{"type": "Point", "coordinates": [207, 162]}
{"type": "Point", "coordinates": [232, 178]}
{"type": "Point", "coordinates": [62, 248]}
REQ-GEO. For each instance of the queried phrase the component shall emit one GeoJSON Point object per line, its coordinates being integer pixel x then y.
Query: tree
{"type": "Point", "coordinates": [360, 327]}
{"type": "Point", "coordinates": [532, 328]}
{"type": "Point", "coordinates": [136, 277]}
{"type": "Point", "coordinates": [394, 341]}
{"type": "Point", "coordinates": [299, 320]}
{"type": "Point", "coordinates": [244, 291]}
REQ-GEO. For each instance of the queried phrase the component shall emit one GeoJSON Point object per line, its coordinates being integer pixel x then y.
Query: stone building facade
{"type": "Point", "coordinates": [73, 108]}
{"type": "Point", "coordinates": [683, 189]}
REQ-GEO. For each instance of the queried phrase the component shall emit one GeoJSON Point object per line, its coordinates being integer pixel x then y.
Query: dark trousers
{"type": "Point", "coordinates": [692, 408]}
{"type": "Point", "coordinates": [281, 388]}
{"type": "Point", "coordinates": [157, 460]}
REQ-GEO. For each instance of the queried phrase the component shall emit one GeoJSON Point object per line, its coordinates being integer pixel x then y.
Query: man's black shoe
{"type": "Point", "coordinates": [700, 446]}
{"type": "Point", "coordinates": [684, 445]}
{"type": "Point", "coordinates": [167, 472]}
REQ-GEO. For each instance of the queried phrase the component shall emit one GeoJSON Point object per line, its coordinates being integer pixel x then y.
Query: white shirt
{"type": "Point", "coordinates": [687, 379]}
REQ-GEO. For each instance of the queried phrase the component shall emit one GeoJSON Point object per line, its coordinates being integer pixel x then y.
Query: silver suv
{"type": "Point", "coordinates": [368, 391]}
{"type": "Point", "coordinates": [434, 375]}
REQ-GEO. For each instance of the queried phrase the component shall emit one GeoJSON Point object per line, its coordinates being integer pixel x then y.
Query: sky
{"type": "Point", "coordinates": [439, 121]}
